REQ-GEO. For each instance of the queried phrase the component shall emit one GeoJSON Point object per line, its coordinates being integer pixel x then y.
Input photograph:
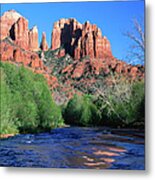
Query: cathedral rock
{"type": "Point", "coordinates": [80, 40]}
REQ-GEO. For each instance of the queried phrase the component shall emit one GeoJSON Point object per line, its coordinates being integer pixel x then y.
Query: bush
{"type": "Point", "coordinates": [8, 120]}
{"type": "Point", "coordinates": [138, 103]}
{"type": "Point", "coordinates": [122, 104]}
{"type": "Point", "coordinates": [30, 107]}
{"type": "Point", "coordinates": [81, 111]}
{"type": "Point", "coordinates": [49, 113]}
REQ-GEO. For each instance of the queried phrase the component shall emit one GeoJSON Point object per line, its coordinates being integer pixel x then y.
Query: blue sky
{"type": "Point", "coordinates": [113, 18]}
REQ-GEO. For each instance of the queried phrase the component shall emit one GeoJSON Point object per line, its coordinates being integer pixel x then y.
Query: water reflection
{"type": "Point", "coordinates": [75, 147]}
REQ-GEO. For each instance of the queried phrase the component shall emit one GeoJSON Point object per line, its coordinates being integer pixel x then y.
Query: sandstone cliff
{"type": "Point", "coordinates": [18, 44]}
{"type": "Point", "coordinates": [15, 26]}
{"type": "Point", "coordinates": [6, 22]}
{"type": "Point", "coordinates": [33, 39]}
{"type": "Point", "coordinates": [80, 40]}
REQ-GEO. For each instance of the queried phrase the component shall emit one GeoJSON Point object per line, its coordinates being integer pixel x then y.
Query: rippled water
{"type": "Point", "coordinates": [75, 147]}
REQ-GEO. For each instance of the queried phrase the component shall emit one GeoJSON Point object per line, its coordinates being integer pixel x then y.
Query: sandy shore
{"type": "Point", "coordinates": [6, 135]}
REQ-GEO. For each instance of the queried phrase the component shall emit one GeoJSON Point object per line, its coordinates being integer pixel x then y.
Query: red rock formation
{"type": "Point", "coordinates": [18, 42]}
{"type": "Point", "coordinates": [56, 36]}
{"type": "Point", "coordinates": [11, 52]}
{"type": "Point", "coordinates": [18, 56]}
{"type": "Point", "coordinates": [33, 39]}
{"type": "Point", "coordinates": [6, 51]}
{"type": "Point", "coordinates": [15, 26]}
{"type": "Point", "coordinates": [79, 70]}
{"type": "Point", "coordinates": [80, 40]}
{"type": "Point", "coordinates": [6, 22]}
{"type": "Point", "coordinates": [19, 33]}
{"type": "Point", "coordinates": [44, 45]}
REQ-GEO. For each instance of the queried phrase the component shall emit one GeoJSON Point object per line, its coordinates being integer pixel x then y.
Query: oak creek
{"type": "Point", "coordinates": [76, 147]}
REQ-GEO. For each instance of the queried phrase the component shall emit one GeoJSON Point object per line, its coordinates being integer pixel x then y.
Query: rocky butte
{"type": "Point", "coordinates": [80, 40]}
{"type": "Point", "coordinates": [86, 41]}
{"type": "Point", "coordinates": [18, 42]}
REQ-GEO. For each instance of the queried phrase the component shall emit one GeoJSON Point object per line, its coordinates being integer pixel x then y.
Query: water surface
{"type": "Point", "coordinates": [76, 147]}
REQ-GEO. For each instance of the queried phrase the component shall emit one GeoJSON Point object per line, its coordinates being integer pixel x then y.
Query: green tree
{"type": "Point", "coordinates": [7, 118]}
{"type": "Point", "coordinates": [81, 111]}
{"type": "Point", "coordinates": [27, 101]}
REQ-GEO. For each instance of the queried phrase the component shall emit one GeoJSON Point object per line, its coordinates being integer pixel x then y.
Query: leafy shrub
{"type": "Point", "coordinates": [8, 119]}
{"type": "Point", "coordinates": [122, 104]}
{"type": "Point", "coordinates": [138, 102]}
{"type": "Point", "coordinates": [28, 101]}
{"type": "Point", "coordinates": [49, 113]}
{"type": "Point", "coordinates": [80, 110]}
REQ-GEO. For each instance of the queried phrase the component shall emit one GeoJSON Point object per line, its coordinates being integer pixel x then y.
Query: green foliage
{"type": "Point", "coordinates": [119, 105]}
{"type": "Point", "coordinates": [27, 101]}
{"type": "Point", "coordinates": [81, 111]}
{"type": "Point", "coordinates": [138, 103]}
{"type": "Point", "coordinates": [8, 120]}
{"type": "Point", "coordinates": [123, 105]}
{"type": "Point", "coordinates": [49, 113]}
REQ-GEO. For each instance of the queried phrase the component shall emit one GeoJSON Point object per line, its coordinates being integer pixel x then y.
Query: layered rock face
{"type": "Point", "coordinates": [15, 26]}
{"type": "Point", "coordinates": [11, 52]}
{"type": "Point", "coordinates": [80, 40]}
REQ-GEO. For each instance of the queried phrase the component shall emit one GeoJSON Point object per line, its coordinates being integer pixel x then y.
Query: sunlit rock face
{"type": "Point", "coordinates": [6, 22]}
{"type": "Point", "coordinates": [15, 26]}
{"type": "Point", "coordinates": [19, 33]}
{"type": "Point", "coordinates": [18, 44]}
{"type": "Point", "coordinates": [33, 39]}
{"type": "Point", "coordinates": [80, 40]}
